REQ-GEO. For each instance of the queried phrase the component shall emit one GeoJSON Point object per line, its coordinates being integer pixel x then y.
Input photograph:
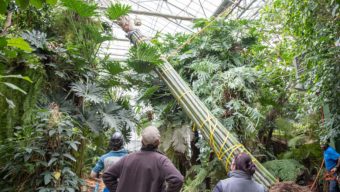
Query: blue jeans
{"type": "Point", "coordinates": [333, 186]}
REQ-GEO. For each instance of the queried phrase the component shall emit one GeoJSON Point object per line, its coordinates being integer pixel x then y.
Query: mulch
{"type": "Point", "coordinates": [288, 186]}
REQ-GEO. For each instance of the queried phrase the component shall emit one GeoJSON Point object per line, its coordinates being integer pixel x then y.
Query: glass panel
{"type": "Point", "coordinates": [171, 16]}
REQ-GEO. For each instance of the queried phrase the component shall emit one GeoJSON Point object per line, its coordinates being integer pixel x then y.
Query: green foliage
{"type": "Point", "coordinates": [23, 4]}
{"type": "Point", "coordinates": [117, 10]}
{"type": "Point", "coordinates": [12, 86]}
{"type": "Point", "coordinates": [37, 3]}
{"type": "Point", "coordinates": [144, 57]}
{"type": "Point", "coordinates": [208, 168]}
{"type": "Point", "coordinates": [36, 38]}
{"type": "Point", "coordinates": [286, 169]}
{"type": "Point", "coordinates": [41, 152]}
{"type": "Point", "coordinates": [114, 67]}
{"type": "Point", "coordinates": [89, 91]}
{"type": "Point", "coordinates": [51, 2]}
{"type": "Point", "coordinates": [221, 75]}
{"type": "Point", "coordinates": [310, 154]}
{"type": "Point", "coordinates": [3, 6]}
{"type": "Point", "coordinates": [66, 43]}
{"type": "Point", "coordinates": [149, 92]}
{"type": "Point", "coordinates": [81, 7]}
{"type": "Point", "coordinates": [310, 31]}
{"type": "Point", "coordinates": [19, 43]}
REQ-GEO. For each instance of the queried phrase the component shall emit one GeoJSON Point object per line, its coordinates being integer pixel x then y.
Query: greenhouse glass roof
{"type": "Point", "coordinates": [173, 16]}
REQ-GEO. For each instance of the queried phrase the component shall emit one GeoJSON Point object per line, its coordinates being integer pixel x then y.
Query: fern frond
{"type": "Point", "coordinates": [285, 169]}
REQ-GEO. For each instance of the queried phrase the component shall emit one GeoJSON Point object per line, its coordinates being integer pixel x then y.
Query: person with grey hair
{"type": "Point", "coordinates": [147, 170]}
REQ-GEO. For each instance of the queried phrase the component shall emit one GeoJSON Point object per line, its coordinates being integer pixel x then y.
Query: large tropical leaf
{"type": "Point", "coordinates": [89, 91]}
{"type": "Point", "coordinates": [3, 6]}
{"type": "Point", "coordinates": [91, 119]}
{"type": "Point", "coordinates": [36, 38]}
{"type": "Point", "coordinates": [37, 3]}
{"type": "Point", "coordinates": [19, 43]}
{"type": "Point", "coordinates": [23, 4]}
{"type": "Point", "coordinates": [180, 138]}
{"type": "Point", "coordinates": [16, 76]}
{"type": "Point", "coordinates": [14, 87]}
{"type": "Point", "coordinates": [144, 57]}
{"type": "Point", "coordinates": [149, 92]}
{"type": "Point", "coordinates": [81, 7]}
{"type": "Point", "coordinates": [114, 11]}
{"type": "Point", "coordinates": [51, 2]}
{"type": "Point", "coordinates": [114, 67]}
{"type": "Point", "coordinates": [115, 116]}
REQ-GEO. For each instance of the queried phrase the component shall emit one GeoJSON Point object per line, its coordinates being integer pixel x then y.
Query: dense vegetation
{"type": "Point", "coordinates": [273, 82]}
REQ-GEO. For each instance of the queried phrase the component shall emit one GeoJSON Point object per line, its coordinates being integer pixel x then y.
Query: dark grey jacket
{"type": "Point", "coordinates": [239, 181]}
{"type": "Point", "coordinates": [143, 171]}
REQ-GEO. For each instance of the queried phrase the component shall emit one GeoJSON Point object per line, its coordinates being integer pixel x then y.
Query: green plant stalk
{"type": "Point", "coordinates": [204, 119]}
{"type": "Point", "coordinates": [196, 110]}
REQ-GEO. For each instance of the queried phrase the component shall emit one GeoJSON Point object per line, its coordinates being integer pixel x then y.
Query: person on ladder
{"type": "Point", "coordinates": [107, 160]}
{"type": "Point", "coordinates": [332, 163]}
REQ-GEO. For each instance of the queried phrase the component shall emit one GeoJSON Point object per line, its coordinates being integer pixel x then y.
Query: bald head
{"type": "Point", "coordinates": [151, 136]}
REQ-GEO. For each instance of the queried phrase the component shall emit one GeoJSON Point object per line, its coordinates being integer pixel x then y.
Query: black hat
{"type": "Point", "coordinates": [116, 141]}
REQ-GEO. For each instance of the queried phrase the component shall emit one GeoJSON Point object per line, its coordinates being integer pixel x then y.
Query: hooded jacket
{"type": "Point", "coordinates": [239, 181]}
{"type": "Point", "coordinates": [143, 171]}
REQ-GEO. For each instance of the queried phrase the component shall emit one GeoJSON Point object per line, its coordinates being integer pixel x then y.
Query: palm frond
{"type": "Point", "coordinates": [114, 67]}
{"type": "Point", "coordinates": [82, 8]}
{"type": "Point", "coordinates": [115, 116]}
{"type": "Point", "coordinates": [117, 10]}
{"type": "Point", "coordinates": [144, 57]}
{"type": "Point", "coordinates": [89, 91]}
{"type": "Point", "coordinates": [149, 92]}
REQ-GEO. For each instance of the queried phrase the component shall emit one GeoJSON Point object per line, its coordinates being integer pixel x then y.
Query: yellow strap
{"type": "Point", "coordinates": [203, 122]}
{"type": "Point", "coordinates": [193, 127]}
{"type": "Point", "coordinates": [219, 155]}
{"type": "Point", "coordinates": [182, 94]}
{"type": "Point", "coordinates": [227, 162]}
{"type": "Point", "coordinates": [211, 138]}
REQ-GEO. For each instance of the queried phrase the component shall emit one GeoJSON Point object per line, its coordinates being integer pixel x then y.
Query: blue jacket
{"type": "Point", "coordinates": [239, 181]}
{"type": "Point", "coordinates": [331, 158]}
{"type": "Point", "coordinates": [109, 159]}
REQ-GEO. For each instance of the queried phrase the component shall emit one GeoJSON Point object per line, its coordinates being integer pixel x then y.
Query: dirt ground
{"type": "Point", "coordinates": [288, 187]}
